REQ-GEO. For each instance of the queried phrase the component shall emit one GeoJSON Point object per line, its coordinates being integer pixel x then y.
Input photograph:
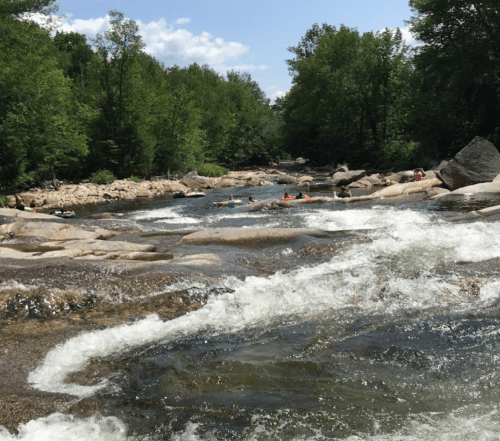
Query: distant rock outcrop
{"type": "Point", "coordinates": [345, 178]}
{"type": "Point", "coordinates": [478, 162]}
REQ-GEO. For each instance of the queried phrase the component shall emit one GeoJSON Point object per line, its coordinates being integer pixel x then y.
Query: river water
{"type": "Point", "coordinates": [394, 338]}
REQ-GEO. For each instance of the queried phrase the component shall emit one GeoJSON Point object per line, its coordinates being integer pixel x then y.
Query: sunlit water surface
{"type": "Point", "coordinates": [371, 345]}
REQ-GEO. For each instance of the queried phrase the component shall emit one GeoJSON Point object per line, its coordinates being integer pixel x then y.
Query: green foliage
{"type": "Point", "coordinates": [212, 170]}
{"type": "Point", "coordinates": [4, 199]}
{"type": "Point", "coordinates": [103, 177]}
{"type": "Point", "coordinates": [135, 179]}
{"type": "Point", "coordinates": [68, 109]}
{"type": "Point", "coordinates": [347, 95]}
{"type": "Point", "coordinates": [460, 66]}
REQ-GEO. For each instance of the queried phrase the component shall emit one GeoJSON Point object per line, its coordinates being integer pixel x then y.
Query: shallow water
{"type": "Point", "coordinates": [373, 344]}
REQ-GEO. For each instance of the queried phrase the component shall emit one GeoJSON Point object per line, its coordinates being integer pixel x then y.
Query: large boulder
{"type": "Point", "coordinates": [287, 179]}
{"type": "Point", "coordinates": [192, 181]}
{"type": "Point", "coordinates": [478, 162]}
{"type": "Point", "coordinates": [226, 182]}
{"type": "Point", "coordinates": [345, 178]}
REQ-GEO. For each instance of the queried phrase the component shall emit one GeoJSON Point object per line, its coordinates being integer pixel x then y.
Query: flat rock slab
{"type": "Point", "coordinates": [487, 188]}
{"type": "Point", "coordinates": [53, 231]}
{"type": "Point", "coordinates": [248, 236]}
{"type": "Point", "coordinates": [18, 214]}
{"type": "Point", "coordinates": [407, 188]}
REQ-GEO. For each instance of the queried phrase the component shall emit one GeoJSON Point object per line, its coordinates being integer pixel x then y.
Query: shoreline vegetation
{"type": "Point", "coordinates": [73, 107]}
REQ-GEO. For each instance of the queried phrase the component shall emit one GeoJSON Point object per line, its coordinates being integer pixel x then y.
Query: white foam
{"type": "Point", "coordinates": [469, 423]}
{"type": "Point", "coordinates": [59, 427]}
{"type": "Point", "coordinates": [165, 214]}
{"type": "Point", "coordinates": [356, 219]}
{"type": "Point", "coordinates": [368, 276]}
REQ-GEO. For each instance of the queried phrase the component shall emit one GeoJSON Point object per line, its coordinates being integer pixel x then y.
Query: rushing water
{"type": "Point", "coordinates": [375, 344]}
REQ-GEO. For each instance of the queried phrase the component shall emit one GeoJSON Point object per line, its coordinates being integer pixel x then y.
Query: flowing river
{"type": "Point", "coordinates": [396, 337]}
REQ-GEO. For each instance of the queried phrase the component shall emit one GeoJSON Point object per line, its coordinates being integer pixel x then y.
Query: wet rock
{"type": "Point", "coordinates": [476, 163]}
{"type": "Point", "coordinates": [268, 205]}
{"type": "Point", "coordinates": [435, 191]}
{"type": "Point", "coordinates": [248, 236]}
{"type": "Point", "coordinates": [265, 183]}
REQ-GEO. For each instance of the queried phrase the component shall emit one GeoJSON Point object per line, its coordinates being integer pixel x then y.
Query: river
{"type": "Point", "coordinates": [395, 337]}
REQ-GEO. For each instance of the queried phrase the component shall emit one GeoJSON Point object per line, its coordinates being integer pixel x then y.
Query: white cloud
{"type": "Point", "coordinates": [408, 37]}
{"type": "Point", "coordinates": [175, 46]}
{"type": "Point", "coordinates": [273, 92]}
{"type": "Point", "coordinates": [90, 27]}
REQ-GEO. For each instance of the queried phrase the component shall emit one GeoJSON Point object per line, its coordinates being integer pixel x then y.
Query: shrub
{"type": "Point", "coordinates": [211, 170]}
{"type": "Point", "coordinates": [135, 179]}
{"type": "Point", "coordinates": [4, 199]}
{"type": "Point", "coordinates": [103, 177]}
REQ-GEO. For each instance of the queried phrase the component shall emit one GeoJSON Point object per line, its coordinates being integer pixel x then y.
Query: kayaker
{"type": "Point", "coordinates": [300, 195]}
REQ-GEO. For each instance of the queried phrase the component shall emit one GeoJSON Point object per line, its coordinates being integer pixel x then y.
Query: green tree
{"type": "Point", "coordinates": [180, 140]}
{"type": "Point", "coordinates": [346, 88]}
{"type": "Point", "coordinates": [115, 144]}
{"type": "Point", "coordinates": [460, 70]}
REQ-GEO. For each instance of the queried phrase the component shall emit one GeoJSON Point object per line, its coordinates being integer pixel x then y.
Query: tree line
{"type": "Point", "coordinates": [370, 100]}
{"type": "Point", "coordinates": [70, 107]}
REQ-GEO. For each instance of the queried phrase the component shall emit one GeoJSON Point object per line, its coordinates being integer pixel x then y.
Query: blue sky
{"type": "Point", "coordinates": [251, 36]}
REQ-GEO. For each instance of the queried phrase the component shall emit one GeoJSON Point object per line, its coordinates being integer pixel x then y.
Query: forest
{"type": "Point", "coordinates": [72, 107]}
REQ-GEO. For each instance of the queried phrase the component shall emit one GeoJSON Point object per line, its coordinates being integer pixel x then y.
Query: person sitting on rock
{"type": "Point", "coordinates": [418, 175]}
{"type": "Point", "coordinates": [344, 193]}
{"type": "Point", "coordinates": [19, 202]}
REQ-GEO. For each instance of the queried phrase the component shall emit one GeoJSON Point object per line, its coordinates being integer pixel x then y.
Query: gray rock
{"type": "Point", "coordinates": [476, 163]}
{"type": "Point", "coordinates": [345, 178]}
{"type": "Point", "coordinates": [192, 181]}
{"type": "Point", "coordinates": [287, 179]}
{"type": "Point", "coordinates": [248, 236]}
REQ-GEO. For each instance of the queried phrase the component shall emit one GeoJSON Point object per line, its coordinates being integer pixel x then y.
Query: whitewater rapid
{"type": "Point", "coordinates": [401, 241]}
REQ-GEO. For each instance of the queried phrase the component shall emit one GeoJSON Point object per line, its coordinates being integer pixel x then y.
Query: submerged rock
{"type": "Point", "coordinates": [248, 236]}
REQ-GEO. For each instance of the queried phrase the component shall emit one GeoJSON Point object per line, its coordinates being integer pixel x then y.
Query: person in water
{"type": "Point", "coordinates": [251, 199]}
{"type": "Point", "coordinates": [300, 195]}
{"type": "Point", "coordinates": [287, 196]}
{"type": "Point", "coordinates": [344, 193]}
